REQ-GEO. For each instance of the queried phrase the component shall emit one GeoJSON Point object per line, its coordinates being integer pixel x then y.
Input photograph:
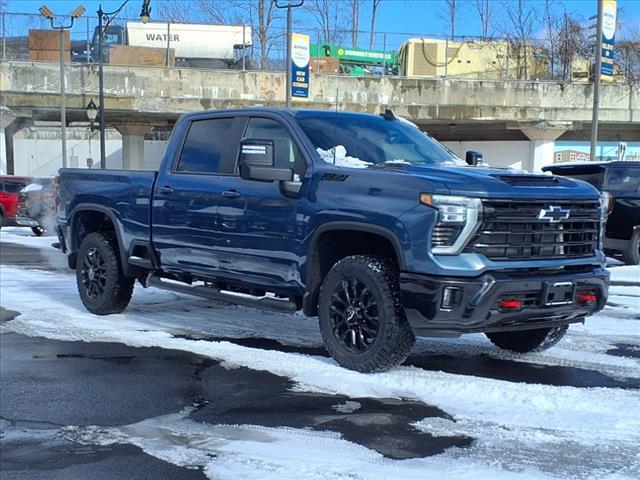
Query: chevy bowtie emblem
{"type": "Point", "coordinates": [553, 214]}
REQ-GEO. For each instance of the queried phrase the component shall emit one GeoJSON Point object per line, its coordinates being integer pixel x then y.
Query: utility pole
{"type": "Point", "coordinates": [288, 6]}
{"type": "Point", "coordinates": [596, 85]}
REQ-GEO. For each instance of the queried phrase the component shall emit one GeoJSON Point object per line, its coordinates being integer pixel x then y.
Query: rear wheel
{"type": "Point", "coordinates": [103, 288]}
{"type": "Point", "coordinates": [525, 341]}
{"type": "Point", "coordinates": [362, 321]}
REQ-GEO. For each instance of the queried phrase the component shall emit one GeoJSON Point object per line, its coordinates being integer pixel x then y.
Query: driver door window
{"type": "Point", "coordinates": [285, 150]}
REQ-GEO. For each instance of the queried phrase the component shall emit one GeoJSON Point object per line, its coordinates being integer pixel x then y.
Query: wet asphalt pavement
{"type": "Point", "coordinates": [47, 385]}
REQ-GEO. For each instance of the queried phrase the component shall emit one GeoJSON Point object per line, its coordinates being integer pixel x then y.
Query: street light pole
{"type": "Point", "coordinates": [288, 6]}
{"type": "Point", "coordinates": [48, 14]}
{"type": "Point", "coordinates": [596, 85]}
{"type": "Point", "coordinates": [109, 16]}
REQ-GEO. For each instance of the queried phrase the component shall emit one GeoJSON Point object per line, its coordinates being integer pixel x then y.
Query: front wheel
{"type": "Point", "coordinates": [525, 341]}
{"type": "Point", "coordinates": [103, 288]}
{"type": "Point", "coordinates": [362, 321]}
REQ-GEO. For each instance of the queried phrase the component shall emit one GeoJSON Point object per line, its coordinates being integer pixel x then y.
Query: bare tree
{"type": "Point", "coordinates": [523, 18]}
{"type": "Point", "coordinates": [484, 9]}
{"type": "Point", "coordinates": [355, 21]}
{"type": "Point", "coordinates": [449, 13]}
{"type": "Point", "coordinates": [628, 57]}
{"type": "Point", "coordinates": [328, 15]}
{"type": "Point", "coordinates": [375, 4]}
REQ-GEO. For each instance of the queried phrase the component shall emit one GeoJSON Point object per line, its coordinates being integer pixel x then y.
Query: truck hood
{"type": "Point", "coordinates": [498, 183]}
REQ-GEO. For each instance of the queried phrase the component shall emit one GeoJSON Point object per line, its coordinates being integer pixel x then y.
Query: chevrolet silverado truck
{"type": "Point", "coordinates": [362, 220]}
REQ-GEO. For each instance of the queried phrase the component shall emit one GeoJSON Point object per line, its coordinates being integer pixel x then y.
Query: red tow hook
{"type": "Point", "coordinates": [510, 304]}
{"type": "Point", "coordinates": [586, 298]}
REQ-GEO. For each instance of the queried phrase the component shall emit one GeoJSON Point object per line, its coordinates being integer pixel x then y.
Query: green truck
{"type": "Point", "coordinates": [358, 62]}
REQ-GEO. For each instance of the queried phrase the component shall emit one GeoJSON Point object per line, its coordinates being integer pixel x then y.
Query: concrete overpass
{"type": "Point", "coordinates": [141, 98]}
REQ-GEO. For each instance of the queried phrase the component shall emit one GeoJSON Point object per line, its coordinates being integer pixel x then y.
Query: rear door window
{"type": "Point", "coordinates": [13, 187]}
{"type": "Point", "coordinates": [205, 146]}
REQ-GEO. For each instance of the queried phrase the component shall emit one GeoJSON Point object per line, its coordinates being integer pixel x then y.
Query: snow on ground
{"type": "Point", "coordinates": [521, 430]}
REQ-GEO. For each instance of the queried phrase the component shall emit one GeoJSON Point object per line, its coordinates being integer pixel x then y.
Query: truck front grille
{"type": "Point", "coordinates": [537, 229]}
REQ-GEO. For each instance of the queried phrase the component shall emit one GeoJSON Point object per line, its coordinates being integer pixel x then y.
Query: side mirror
{"type": "Point", "coordinates": [257, 162]}
{"type": "Point", "coordinates": [473, 158]}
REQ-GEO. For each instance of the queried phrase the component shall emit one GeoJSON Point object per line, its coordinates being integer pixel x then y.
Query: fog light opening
{"type": "Point", "coordinates": [451, 297]}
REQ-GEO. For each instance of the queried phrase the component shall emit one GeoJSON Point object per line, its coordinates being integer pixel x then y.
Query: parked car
{"type": "Point", "coordinates": [362, 220]}
{"type": "Point", "coordinates": [621, 180]}
{"type": "Point", "coordinates": [10, 186]}
{"type": "Point", "coordinates": [36, 205]}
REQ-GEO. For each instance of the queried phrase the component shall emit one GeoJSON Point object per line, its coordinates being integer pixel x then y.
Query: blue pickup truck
{"type": "Point", "coordinates": [362, 220]}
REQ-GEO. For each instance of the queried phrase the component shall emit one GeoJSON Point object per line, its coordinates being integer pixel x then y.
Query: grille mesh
{"type": "Point", "coordinates": [513, 230]}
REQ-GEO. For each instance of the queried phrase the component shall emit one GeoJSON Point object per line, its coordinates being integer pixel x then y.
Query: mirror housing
{"type": "Point", "coordinates": [257, 162]}
{"type": "Point", "coordinates": [473, 158]}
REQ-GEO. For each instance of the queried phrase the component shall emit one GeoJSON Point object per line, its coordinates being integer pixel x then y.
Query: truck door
{"type": "Point", "coordinates": [185, 197]}
{"type": "Point", "coordinates": [258, 232]}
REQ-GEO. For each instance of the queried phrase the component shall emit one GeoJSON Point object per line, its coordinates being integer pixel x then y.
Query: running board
{"type": "Point", "coordinates": [140, 262]}
{"type": "Point", "coordinates": [265, 303]}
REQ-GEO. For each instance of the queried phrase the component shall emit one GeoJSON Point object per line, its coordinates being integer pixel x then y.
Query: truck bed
{"type": "Point", "coordinates": [122, 194]}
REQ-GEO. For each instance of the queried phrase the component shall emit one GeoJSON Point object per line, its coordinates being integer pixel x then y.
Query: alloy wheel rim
{"type": "Point", "coordinates": [94, 273]}
{"type": "Point", "coordinates": [354, 315]}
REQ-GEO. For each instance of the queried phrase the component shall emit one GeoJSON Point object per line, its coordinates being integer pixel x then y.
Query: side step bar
{"type": "Point", "coordinates": [141, 262]}
{"type": "Point", "coordinates": [265, 303]}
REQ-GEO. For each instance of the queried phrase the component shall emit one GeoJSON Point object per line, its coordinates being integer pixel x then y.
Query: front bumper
{"type": "Point", "coordinates": [477, 301]}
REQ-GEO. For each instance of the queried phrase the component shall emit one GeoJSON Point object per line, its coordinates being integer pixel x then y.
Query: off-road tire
{"type": "Point", "coordinates": [394, 337]}
{"type": "Point", "coordinates": [631, 256]}
{"type": "Point", "coordinates": [525, 341]}
{"type": "Point", "coordinates": [117, 288]}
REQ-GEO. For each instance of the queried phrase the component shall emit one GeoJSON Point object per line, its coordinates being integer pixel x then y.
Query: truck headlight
{"type": "Point", "coordinates": [457, 220]}
{"type": "Point", "coordinates": [606, 205]}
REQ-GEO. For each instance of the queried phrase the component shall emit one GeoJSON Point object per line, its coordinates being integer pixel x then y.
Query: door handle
{"type": "Point", "coordinates": [231, 194]}
{"type": "Point", "coordinates": [166, 190]}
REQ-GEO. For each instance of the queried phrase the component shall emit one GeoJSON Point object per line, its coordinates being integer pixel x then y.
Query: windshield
{"type": "Point", "coordinates": [369, 139]}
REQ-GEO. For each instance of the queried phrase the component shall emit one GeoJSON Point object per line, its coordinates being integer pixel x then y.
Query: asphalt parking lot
{"type": "Point", "coordinates": [51, 388]}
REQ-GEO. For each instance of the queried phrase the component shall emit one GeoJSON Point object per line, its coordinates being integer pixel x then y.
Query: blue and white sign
{"type": "Point", "coordinates": [300, 57]}
{"type": "Point", "coordinates": [609, 9]}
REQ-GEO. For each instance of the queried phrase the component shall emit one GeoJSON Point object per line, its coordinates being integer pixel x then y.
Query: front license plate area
{"type": "Point", "coordinates": [559, 293]}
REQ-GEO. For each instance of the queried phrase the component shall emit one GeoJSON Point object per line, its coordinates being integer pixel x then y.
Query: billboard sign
{"type": "Point", "coordinates": [609, 12]}
{"type": "Point", "coordinates": [300, 56]}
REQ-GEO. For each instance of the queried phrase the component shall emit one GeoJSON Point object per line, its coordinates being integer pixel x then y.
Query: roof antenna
{"type": "Point", "coordinates": [389, 115]}
{"type": "Point", "coordinates": [335, 129]}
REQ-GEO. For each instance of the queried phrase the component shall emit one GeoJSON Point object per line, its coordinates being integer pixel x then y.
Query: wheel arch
{"type": "Point", "coordinates": [87, 218]}
{"type": "Point", "coordinates": [335, 240]}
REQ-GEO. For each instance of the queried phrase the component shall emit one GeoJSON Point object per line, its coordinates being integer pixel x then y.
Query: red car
{"type": "Point", "coordinates": [10, 186]}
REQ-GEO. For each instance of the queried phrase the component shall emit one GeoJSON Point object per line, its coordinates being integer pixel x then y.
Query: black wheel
{"type": "Point", "coordinates": [525, 341]}
{"type": "Point", "coordinates": [632, 255]}
{"type": "Point", "coordinates": [38, 231]}
{"type": "Point", "coordinates": [362, 321]}
{"type": "Point", "coordinates": [103, 288]}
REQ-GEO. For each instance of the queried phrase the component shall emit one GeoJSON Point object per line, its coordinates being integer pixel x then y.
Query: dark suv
{"type": "Point", "coordinates": [622, 181]}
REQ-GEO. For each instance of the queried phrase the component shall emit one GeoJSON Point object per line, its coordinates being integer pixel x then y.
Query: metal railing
{"type": "Point", "coordinates": [438, 57]}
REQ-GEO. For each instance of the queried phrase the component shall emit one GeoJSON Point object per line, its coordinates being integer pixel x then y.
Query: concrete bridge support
{"type": "Point", "coordinates": [543, 138]}
{"type": "Point", "coordinates": [133, 145]}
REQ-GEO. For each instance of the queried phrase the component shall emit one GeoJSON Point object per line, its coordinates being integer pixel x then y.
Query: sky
{"type": "Point", "coordinates": [398, 17]}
